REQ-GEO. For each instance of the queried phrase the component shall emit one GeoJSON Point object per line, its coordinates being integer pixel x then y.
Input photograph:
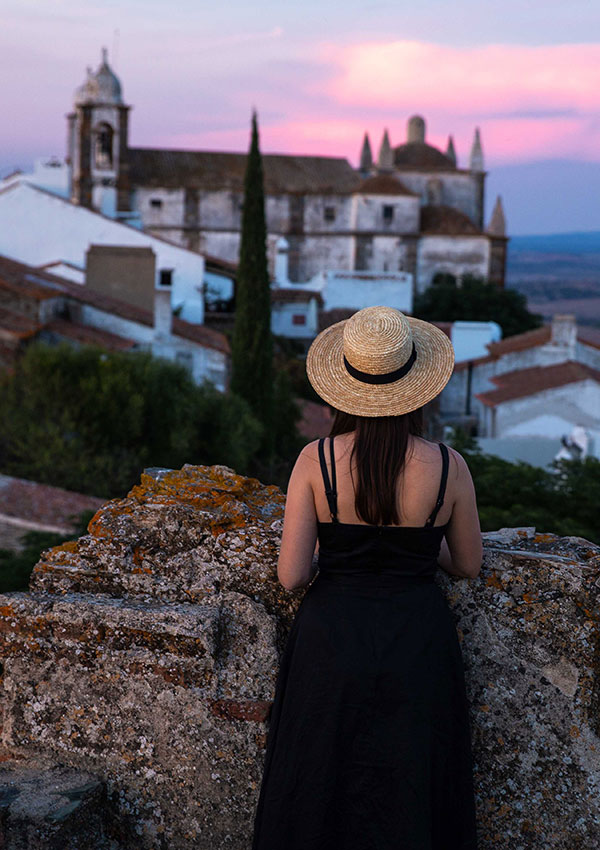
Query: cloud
{"type": "Point", "coordinates": [475, 80]}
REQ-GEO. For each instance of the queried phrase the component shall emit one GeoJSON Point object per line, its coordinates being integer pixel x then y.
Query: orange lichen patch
{"type": "Point", "coordinates": [530, 597]}
{"type": "Point", "coordinates": [574, 732]}
{"type": "Point", "coordinates": [544, 537]}
{"type": "Point", "coordinates": [138, 555]}
{"type": "Point", "coordinates": [494, 581]}
{"type": "Point", "coordinates": [484, 708]}
{"type": "Point", "coordinates": [67, 546]}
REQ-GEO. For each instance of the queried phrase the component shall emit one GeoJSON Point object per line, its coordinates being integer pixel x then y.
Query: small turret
{"type": "Point", "coordinates": [366, 156]}
{"type": "Point", "coordinates": [385, 160]}
{"type": "Point", "coordinates": [497, 225]}
{"type": "Point", "coordinates": [450, 152]}
{"type": "Point", "coordinates": [476, 158]}
{"type": "Point", "coordinates": [416, 130]}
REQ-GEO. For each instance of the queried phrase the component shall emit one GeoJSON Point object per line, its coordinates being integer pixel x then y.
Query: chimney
{"type": "Point", "coordinates": [163, 314]}
{"type": "Point", "coordinates": [564, 332]}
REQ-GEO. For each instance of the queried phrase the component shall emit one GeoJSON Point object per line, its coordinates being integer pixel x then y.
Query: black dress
{"type": "Point", "coordinates": [369, 744]}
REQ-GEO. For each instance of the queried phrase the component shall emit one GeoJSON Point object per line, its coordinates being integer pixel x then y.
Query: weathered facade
{"type": "Point", "coordinates": [412, 210]}
{"type": "Point", "coordinates": [138, 674]}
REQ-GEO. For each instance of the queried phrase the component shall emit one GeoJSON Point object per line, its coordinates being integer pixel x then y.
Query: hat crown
{"type": "Point", "coordinates": [377, 340]}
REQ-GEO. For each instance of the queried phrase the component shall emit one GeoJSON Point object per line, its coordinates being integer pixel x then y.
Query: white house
{"type": "Point", "coordinates": [539, 384]}
{"type": "Point", "coordinates": [44, 230]}
{"type": "Point", "coordinates": [35, 303]}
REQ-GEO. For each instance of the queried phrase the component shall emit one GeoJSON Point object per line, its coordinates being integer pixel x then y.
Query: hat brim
{"type": "Point", "coordinates": [427, 377]}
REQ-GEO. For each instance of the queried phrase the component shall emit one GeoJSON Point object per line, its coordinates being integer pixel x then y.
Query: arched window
{"type": "Point", "coordinates": [104, 146]}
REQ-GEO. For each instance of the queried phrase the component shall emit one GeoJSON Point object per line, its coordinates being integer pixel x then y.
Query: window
{"type": "Point", "coordinates": [104, 146]}
{"type": "Point", "coordinates": [388, 213]}
{"type": "Point", "coordinates": [298, 319]}
{"type": "Point", "coordinates": [329, 213]}
{"type": "Point", "coordinates": [156, 202]}
{"type": "Point", "coordinates": [165, 277]}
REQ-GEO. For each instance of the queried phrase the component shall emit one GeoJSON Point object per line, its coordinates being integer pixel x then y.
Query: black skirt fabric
{"type": "Point", "coordinates": [369, 744]}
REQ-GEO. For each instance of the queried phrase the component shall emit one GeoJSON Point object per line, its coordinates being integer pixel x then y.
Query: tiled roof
{"type": "Point", "coordinates": [530, 339]}
{"type": "Point", "coordinates": [421, 155]}
{"type": "Point", "coordinates": [88, 335]}
{"type": "Point", "coordinates": [525, 382]}
{"type": "Point", "coordinates": [25, 280]}
{"type": "Point", "coordinates": [16, 326]}
{"type": "Point", "coordinates": [520, 342]}
{"type": "Point", "coordinates": [382, 184]}
{"type": "Point", "coordinates": [43, 504]}
{"type": "Point", "coordinates": [446, 221]}
{"type": "Point", "coordinates": [54, 285]}
{"type": "Point", "coordinates": [288, 295]}
{"type": "Point", "coordinates": [212, 170]}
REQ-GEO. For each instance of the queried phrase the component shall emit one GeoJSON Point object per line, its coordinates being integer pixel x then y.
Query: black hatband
{"type": "Point", "coordinates": [386, 377]}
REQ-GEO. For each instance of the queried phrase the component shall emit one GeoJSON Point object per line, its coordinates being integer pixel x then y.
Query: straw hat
{"type": "Point", "coordinates": [380, 362]}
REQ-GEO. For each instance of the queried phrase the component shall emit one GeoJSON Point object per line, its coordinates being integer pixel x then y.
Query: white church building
{"type": "Point", "coordinates": [411, 211]}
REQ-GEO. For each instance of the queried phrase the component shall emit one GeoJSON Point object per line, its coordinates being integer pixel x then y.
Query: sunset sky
{"type": "Point", "coordinates": [320, 73]}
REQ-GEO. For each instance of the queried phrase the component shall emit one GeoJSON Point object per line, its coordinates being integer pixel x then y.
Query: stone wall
{"type": "Point", "coordinates": [146, 656]}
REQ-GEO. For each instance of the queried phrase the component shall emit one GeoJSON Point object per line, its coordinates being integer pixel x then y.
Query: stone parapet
{"type": "Point", "coordinates": [146, 656]}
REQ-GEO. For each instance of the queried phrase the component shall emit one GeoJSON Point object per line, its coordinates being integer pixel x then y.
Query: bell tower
{"type": "Point", "coordinates": [97, 144]}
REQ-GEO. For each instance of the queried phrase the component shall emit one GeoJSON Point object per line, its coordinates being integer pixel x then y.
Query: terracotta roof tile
{"type": "Point", "coordinates": [383, 184]}
{"type": "Point", "coordinates": [212, 170]}
{"type": "Point", "coordinates": [421, 155]}
{"type": "Point", "coordinates": [16, 325]}
{"type": "Point", "coordinates": [43, 504]}
{"type": "Point", "coordinates": [56, 286]}
{"type": "Point", "coordinates": [443, 220]}
{"type": "Point", "coordinates": [525, 382]}
{"type": "Point", "coordinates": [520, 342]}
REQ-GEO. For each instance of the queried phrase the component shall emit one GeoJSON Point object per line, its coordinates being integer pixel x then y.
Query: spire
{"type": "Point", "coordinates": [104, 56]}
{"type": "Point", "coordinates": [385, 160]}
{"type": "Point", "coordinates": [497, 225]}
{"type": "Point", "coordinates": [476, 158]}
{"type": "Point", "coordinates": [366, 155]}
{"type": "Point", "coordinates": [450, 152]}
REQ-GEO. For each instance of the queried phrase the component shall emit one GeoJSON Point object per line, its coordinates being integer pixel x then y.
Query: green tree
{"type": "Point", "coordinates": [561, 499]}
{"type": "Point", "coordinates": [90, 421]}
{"type": "Point", "coordinates": [252, 343]}
{"type": "Point", "coordinates": [476, 300]}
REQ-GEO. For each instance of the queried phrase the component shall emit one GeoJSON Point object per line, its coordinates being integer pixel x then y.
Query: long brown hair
{"type": "Point", "coordinates": [379, 450]}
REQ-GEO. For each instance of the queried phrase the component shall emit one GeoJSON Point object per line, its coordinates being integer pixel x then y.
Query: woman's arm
{"type": "Point", "coordinates": [462, 550]}
{"type": "Point", "coordinates": [295, 567]}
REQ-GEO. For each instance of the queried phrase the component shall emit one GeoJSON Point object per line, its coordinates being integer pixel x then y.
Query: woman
{"type": "Point", "coordinates": [369, 740]}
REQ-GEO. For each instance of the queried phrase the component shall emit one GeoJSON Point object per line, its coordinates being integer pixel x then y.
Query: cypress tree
{"type": "Point", "coordinates": [252, 343]}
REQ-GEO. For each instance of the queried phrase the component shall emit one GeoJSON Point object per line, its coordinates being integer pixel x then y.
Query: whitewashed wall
{"type": "Point", "coordinates": [38, 228]}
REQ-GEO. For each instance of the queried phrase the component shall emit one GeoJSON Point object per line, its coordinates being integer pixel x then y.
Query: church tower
{"type": "Point", "coordinates": [97, 144]}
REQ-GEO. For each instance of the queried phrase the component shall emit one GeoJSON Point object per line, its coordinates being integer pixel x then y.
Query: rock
{"type": "Point", "coordinates": [46, 807]}
{"type": "Point", "coordinates": [147, 651]}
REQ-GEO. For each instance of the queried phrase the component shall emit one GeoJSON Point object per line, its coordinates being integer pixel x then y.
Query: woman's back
{"type": "Point", "coordinates": [417, 488]}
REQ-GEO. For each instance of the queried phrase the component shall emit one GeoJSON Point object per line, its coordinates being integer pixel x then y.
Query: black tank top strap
{"type": "Point", "coordinates": [330, 487]}
{"type": "Point", "coordinates": [442, 490]}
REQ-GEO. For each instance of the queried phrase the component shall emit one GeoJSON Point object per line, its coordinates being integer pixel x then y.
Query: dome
{"type": "Point", "coordinates": [101, 87]}
{"type": "Point", "coordinates": [421, 155]}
